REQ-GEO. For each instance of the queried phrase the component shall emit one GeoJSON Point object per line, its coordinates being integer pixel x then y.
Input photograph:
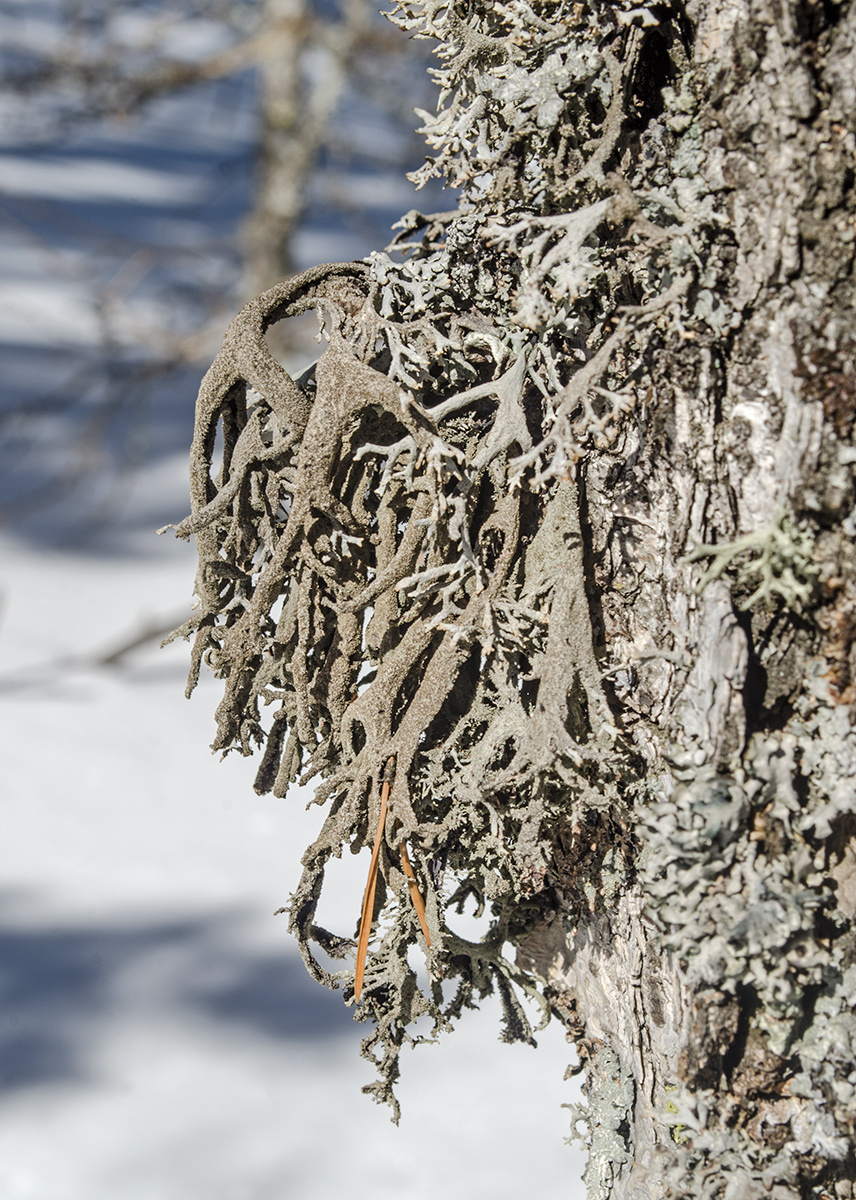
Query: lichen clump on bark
{"type": "Point", "coordinates": [390, 553]}
{"type": "Point", "coordinates": [462, 547]}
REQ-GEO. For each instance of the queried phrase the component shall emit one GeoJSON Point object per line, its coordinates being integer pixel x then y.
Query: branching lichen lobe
{"type": "Point", "coordinates": [467, 538]}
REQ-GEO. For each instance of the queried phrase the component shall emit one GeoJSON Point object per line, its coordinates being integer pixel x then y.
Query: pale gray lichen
{"type": "Point", "coordinates": [369, 563]}
{"type": "Point", "coordinates": [735, 914]}
{"type": "Point", "coordinates": [772, 563]}
{"type": "Point", "coordinates": [605, 1117]}
{"type": "Point", "coordinates": [737, 880]}
{"type": "Point", "coordinates": [827, 1075]}
{"type": "Point", "coordinates": [827, 746]}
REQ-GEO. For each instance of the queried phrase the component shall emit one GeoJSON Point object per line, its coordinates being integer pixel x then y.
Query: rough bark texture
{"type": "Point", "coordinates": [563, 522]}
{"type": "Point", "coordinates": [719, 986]}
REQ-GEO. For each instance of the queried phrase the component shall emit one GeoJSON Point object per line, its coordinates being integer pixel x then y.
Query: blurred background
{"type": "Point", "coordinates": [160, 163]}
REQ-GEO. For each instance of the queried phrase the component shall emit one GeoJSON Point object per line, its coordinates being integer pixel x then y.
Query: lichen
{"type": "Point", "coordinates": [736, 871]}
{"type": "Point", "coordinates": [390, 554]}
{"type": "Point", "coordinates": [736, 913]}
{"type": "Point", "coordinates": [605, 1115]}
{"type": "Point", "coordinates": [778, 564]}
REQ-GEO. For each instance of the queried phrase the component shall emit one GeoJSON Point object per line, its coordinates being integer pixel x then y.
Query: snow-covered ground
{"type": "Point", "coordinates": [159, 1037]}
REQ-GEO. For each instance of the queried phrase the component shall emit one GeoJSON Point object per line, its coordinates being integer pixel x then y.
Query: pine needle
{"type": "Point", "coordinates": [415, 894]}
{"type": "Point", "coordinates": [368, 898]}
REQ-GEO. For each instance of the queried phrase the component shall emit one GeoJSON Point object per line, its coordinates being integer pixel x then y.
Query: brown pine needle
{"type": "Point", "coordinates": [415, 894]}
{"type": "Point", "coordinates": [368, 898]}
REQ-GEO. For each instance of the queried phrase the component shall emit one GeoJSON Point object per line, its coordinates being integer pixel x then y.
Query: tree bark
{"type": "Point", "coordinates": [289, 139]}
{"type": "Point", "coordinates": [712, 995]}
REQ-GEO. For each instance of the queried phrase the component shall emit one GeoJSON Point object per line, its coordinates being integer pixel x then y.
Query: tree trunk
{"type": "Point", "coordinates": [574, 484]}
{"type": "Point", "coordinates": [288, 145]}
{"type": "Point", "coordinates": [304, 63]}
{"type": "Point", "coordinates": [711, 988]}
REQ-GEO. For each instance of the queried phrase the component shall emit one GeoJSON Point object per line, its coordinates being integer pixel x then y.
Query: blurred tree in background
{"type": "Point", "coordinates": [282, 74]}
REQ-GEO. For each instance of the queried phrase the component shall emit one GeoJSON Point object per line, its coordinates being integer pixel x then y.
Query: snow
{"type": "Point", "coordinates": [159, 1037]}
{"type": "Point", "coordinates": [162, 1040]}
{"type": "Point", "coordinates": [48, 313]}
{"type": "Point", "coordinates": [91, 178]}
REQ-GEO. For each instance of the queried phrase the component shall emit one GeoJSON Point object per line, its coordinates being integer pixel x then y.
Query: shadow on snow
{"type": "Point", "coordinates": [60, 988]}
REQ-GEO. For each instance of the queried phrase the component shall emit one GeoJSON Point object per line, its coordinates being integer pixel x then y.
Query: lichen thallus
{"type": "Point", "coordinates": [387, 780]}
